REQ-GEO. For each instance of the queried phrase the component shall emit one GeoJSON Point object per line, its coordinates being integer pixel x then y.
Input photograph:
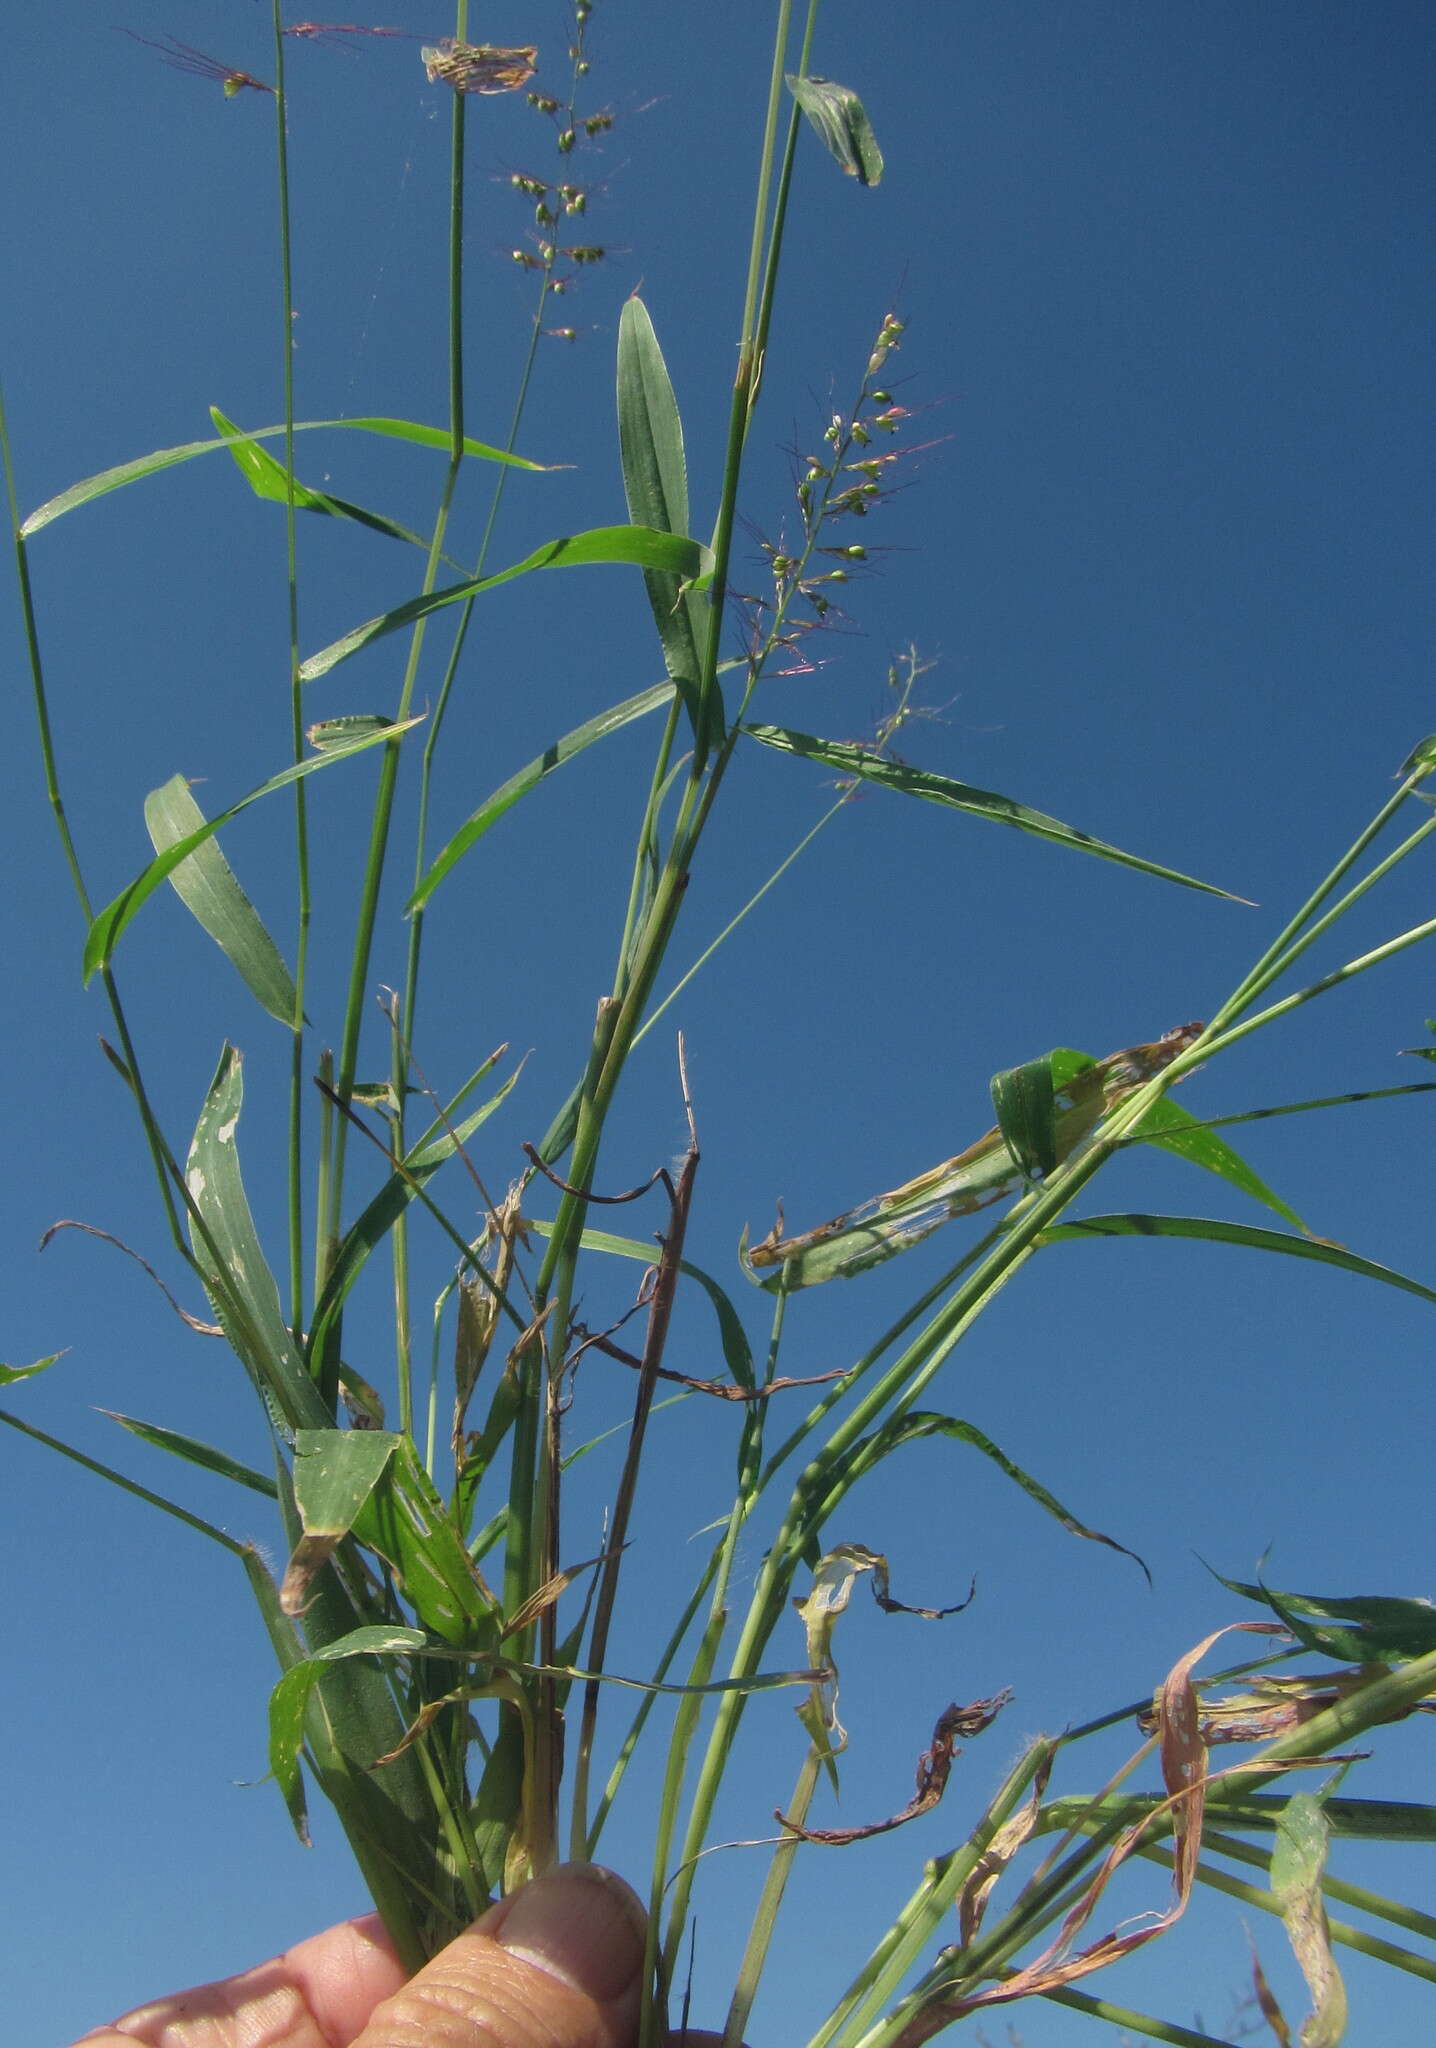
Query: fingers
{"type": "Point", "coordinates": [318, 1994]}
{"type": "Point", "coordinates": [557, 1965]}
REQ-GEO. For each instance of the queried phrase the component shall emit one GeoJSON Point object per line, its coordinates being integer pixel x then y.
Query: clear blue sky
{"type": "Point", "coordinates": [1169, 291]}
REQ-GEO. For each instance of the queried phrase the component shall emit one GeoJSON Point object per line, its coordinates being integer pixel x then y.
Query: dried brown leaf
{"type": "Point", "coordinates": [933, 1769]}
{"type": "Point", "coordinates": [1015, 1830]}
{"type": "Point", "coordinates": [108, 1237]}
{"type": "Point", "coordinates": [1183, 1759]}
{"type": "Point", "coordinates": [1270, 2011]}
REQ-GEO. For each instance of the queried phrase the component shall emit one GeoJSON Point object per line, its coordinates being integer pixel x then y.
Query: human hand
{"type": "Point", "coordinates": [556, 1965]}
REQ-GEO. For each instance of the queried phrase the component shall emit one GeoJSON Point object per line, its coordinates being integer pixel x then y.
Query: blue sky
{"type": "Point", "coordinates": [1167, 281]}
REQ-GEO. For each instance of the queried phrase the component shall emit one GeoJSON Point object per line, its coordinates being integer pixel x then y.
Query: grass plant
{"type": "Point", "coordinates": [443, 1633]}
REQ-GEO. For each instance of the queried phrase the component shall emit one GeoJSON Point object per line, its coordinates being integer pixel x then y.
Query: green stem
{"type": "Point", "coordinates": [765, 1915]}
{"type": "Point", "coordinates": [304, 905]}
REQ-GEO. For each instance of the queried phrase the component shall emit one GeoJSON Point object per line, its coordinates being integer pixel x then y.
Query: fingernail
{"type": "Point", "coordinates": [580, 1923]}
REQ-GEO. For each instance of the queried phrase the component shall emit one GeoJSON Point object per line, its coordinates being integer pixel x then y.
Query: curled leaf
{"type": "Point", "coordinates": [933, 1768]}
{"type": "Point", "coordinates": [840, 120]}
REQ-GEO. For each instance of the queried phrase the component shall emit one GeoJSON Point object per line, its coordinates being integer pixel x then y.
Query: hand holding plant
{"type": "Point", "coordinates": [446, 1628]}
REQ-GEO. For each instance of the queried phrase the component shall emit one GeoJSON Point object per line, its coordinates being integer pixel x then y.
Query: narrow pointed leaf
{"type": "Point", "coordinates": [269, 480]}
{"type": "Point", "coordinates": [227, 1252]}
{"type": "Point", "coordinates": [205, 883]}
{"type": "Point", "coordinates": [11, 1375]}
{"type": "Point", "coordinates": [850, 759]}
{"type": "Point", "coordinates": [167, 458]}
{"type": "Point", "coordinates": [1167, 1124]}
{"type": "Point", "coordinates": [529, 777]}
{"type": "Point", "coordinates": [638, 545]}
{"type": "Point", "coordinates": [126, 1485]}
{"type": "Point", "coordinates": [406, 1522]}
{"type": "Point", "coordinates": [1422, 756]}
{"type": "Point", "coordinates": [1255, 1238]}
{"type": "Point", "coordinates": [837, 115]}
{"type": "Point", "coordinates": [383, 1211]}
{"type": "Point", "coordinates": [107, 927]}
{"type": "Point", "coordinates": [870, 1452]}
{"type": "Point", "coordinates": [1356, 1628]}
{"type": "Point", "coordinates": [289, 1703]}
{"type": "Point", "coordinates": [655, 483]}
{"type": "Point", "coordinates": [195, 1453]}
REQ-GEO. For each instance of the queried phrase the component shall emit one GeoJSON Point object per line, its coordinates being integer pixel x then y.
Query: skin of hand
{"type": "Point", "coordinates": [556, 1965]}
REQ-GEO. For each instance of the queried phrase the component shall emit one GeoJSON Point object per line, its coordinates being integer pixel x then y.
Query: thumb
{"type": "Point", "coordinates": [556, 1965]}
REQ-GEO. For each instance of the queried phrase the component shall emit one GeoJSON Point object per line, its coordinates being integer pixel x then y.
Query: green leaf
{"type": "Point", "coordinates": [227, 1252]}
{"type": "Point", "coordinates": [655, 483]}
{"type": "Point", "coordinates": [269, 480]}
{"type": "Point", "coordinates": [406, 1523]}
{"type": "Point", "coordinates": [328, 733]}
{"type": "Point", "coordinates": [1354, 1628]}
{"type": "Point", "coordinates": [335, 1471]}
{"type": "Point", "coordinates": [851, 759]}
{"type": "Point", "coordinates": [380, 1214]}
{"type": "Point", "coordinates": [107, 927]}
{"type": "Point", "coordinates": [1167, 1124]}
{"type": "Point", "coordinates": [370, 1482]}
{"type": "Point", "coordinates": [843, 127]}
{"type": "Point", "coordinates": [354, 1719]}
{"type": "Point", "coordinates": [1025, 1100]}
{"type": "Point", "coordinates": [639, 545]}
{"type": "Point", "coordinates": [206, 885]}
{"type": "Point", "coordinates": [289, 1702]}
{"type": "Point", "coordinates": [508, 793]}
{"type": "Point", "coordinates": [166, 458]}
{"type": "Point", "coordinates": [1422, 757]}
{"type": "Point", "coordinates": [144, 1493]}
{"type": "Point", "coordinates": [843, 1473]}
{"type": "Point", "coordinates": [195, 1452]}
{"type": "Point", "coordinates": [1213, 1231]}
{"type": "Point", "coordinates": [11, 1374]}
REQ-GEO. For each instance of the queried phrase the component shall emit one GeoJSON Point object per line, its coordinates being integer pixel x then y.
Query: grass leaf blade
{"type": "Point", "coordinates": [655, 483]}
{"type": "Point", "coordinates": [1255, 1238]}
{"type": "Point", "coordinates": [639, 545]}
{"type": "Point", "coordinates": [142, 466]}
{"type": "Point", "coordinates": [869, 766]}
{"type": "Point", "coordinates": [236, 1275]}
{"type": "Point", "coordinates": [289, 1704]}
{"type": "Point", "coordinates": [270, 481]}
{"type": "Point", "coordinates": [206, 885]}
{"type": "Point", "coordinates": [841, 123]}
{"type": "Point", "coordinates": [529, 777]}
{"type": "Point", "coordinates": [108, 925]}
{"type": "Point", "coordinates": [1169, 1125]}
{"type": "Point", "coordinates": [195, 1453]}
